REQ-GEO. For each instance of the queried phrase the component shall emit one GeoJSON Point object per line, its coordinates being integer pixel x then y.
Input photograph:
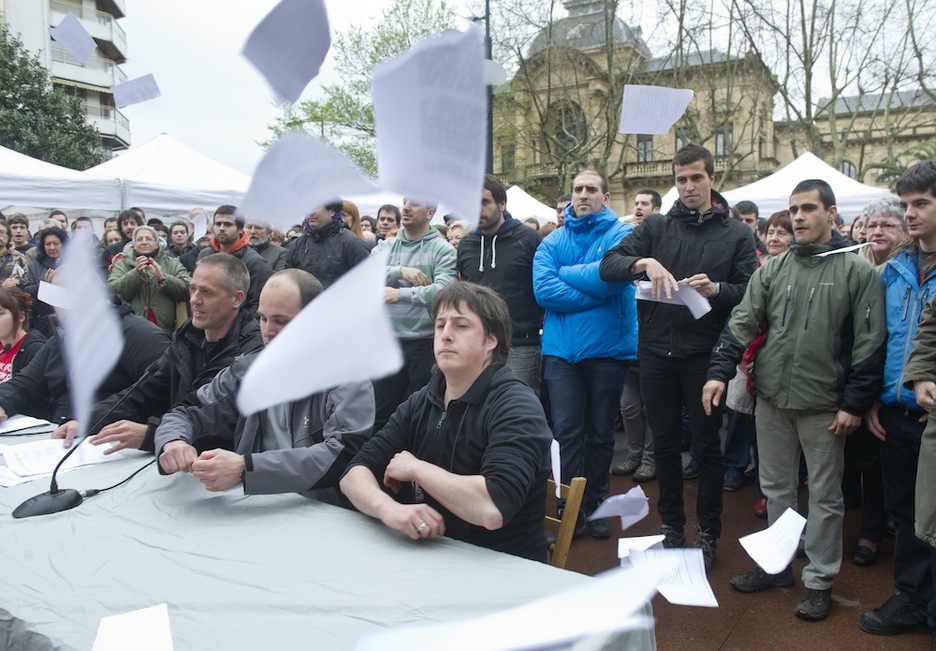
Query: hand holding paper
{"type": "Point", "coordinates": [698, 305]}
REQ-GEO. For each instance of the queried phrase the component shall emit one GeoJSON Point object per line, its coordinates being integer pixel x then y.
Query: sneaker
{"type": "Point", "coordinates": [897, 615]}
{"type": "Point", "coordinates": [734, 483]}
{"type": "Point", "coordinates": [599, 528]}
{"type": "Point", "coordinates": [691, 470]}
{"type": "Point", "coordinates": [672, 537]}
{"type": "Point", "coordinates": [645, 473]}
{"type": "Point", "coordinates": [813, 605]}
{"type": "Point", "coordinates": [707, 543]}
{"type": "Point", "coordinates": [864, 556]}
{"type": "Point", "coordinates": [626, 468]}
{"type": "Point", "coordinates": [580, 527]}
{"type": "Point", "coordinates": [757, 579]}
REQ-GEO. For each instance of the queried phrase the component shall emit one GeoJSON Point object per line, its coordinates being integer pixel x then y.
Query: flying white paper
{"type": "Point", "coordinates": [40, 457]}
{"type": "Point", "coordinates": [631, 507]}
{"type": "Point", "coordinates": [687, 584]}
{"type": "Point", "coordinates": [199, 226]}
{"type": "Point", "coordinates": [556, 466]}
{"type": "Point", "coordinates": [430, 114]}
{"type": "Point", "coordinates": [297, 175]}
{"type": "Point", "coordinates": [54, 295]}
{"type": "Point", "coordinates": [93, 338]}
{"type": "Point", "coordinates": [135, 91]}
{"type": "Point", "coordinates": [774, 547]}
{"type": "Point", "coordinates": [142, 630]}
{"type": "Point", "coordinates": [638, 543]}
{"type": "Point", "coordinates": [652, 109]}
{"type": "Point", "coordinates": [71, 35]}
{"type": "Point", "coordinates": [698, 305]}
{"type": "Point", "coordinates": [604, 605]}
{"type": "Point", "coordinates": [355, 299]}
{"type": "Point", "coordinates": [289, 45]}
{"type": "Point", "coordinates": [844, 249]}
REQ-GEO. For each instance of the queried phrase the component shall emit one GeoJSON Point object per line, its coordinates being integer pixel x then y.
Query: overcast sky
{"type": "Point", "coordinates": [212, 98]}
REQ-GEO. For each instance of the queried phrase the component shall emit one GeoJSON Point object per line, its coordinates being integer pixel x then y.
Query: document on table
{"type": "Point", "coordinates": [774, 547]}
{"type": "Point", "coordinates": [652, 109]}
{"type": "Point", "coordinates": [356, 298]}
{"type": "Point", "coordinates": [298, 174]}
{"type": "Point", "coordinates": [146, 629]}
{"type": "Point", "coordinates": [698, 305]}
{"type": "Point", "coordinates": [687, 584]}
{"type": "Point", "coordinates": [289, 46]}
{"type": "Point", "coordinates": [638, 543]}
{"type": "Point", "coordinates": [72, 36]}
{"type": "Point", "coordinates": [433, 149]}
{"type": "Point", "coordinates": [631, 507]}
{"type": "Point", "coordinates": [135, 91]}
{"type": "Point", "coordinates": [40, 457]}
{"type": "Point", "coordinates": [604, 605]}
{"type": "Point", "coordinates": [20, 425]}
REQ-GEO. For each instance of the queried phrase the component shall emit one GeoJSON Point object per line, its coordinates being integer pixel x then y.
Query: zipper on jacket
{"type": "Point", "coordinates": [906, 304]}
{"type": "Point", "coordinates": [868, 318]}
{"type": "Point", "coordinates": [812, 293]}
{"type": "Point", "coordinates": [786, 303]}
{"type": "Point", "coordinates": [441, 420]}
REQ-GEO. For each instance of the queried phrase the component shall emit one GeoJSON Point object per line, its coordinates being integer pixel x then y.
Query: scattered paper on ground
{"type": "Point", "coordinates": [774, 547]}
{"type": "Point", "coordinates": [638, 543]}
{"type": "Point", "coordinates": [687, 584]}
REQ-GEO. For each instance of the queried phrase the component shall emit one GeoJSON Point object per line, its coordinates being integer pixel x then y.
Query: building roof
{"type": "Point", "coordinates": [584, 29]}
{"type": "Point", "coordinates": [904, 99]}
{"type": "Point", "coordinates": [672, 60]}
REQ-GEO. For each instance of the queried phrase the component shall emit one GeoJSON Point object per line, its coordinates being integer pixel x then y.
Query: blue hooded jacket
{"type": "Point", "coordinates": [586, 317]}
{"type": "Point", "coordinates": [904, 299]}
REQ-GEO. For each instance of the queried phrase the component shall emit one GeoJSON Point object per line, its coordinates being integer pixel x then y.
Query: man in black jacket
{"type": "Point", "coordinates": [217, 334]}
{"type": "Point", "coordinates": [696, 240]}
{"type": "Point", "coordinates": [327, 250]}
{"type": "Point", "coordinates": [499, 255]}
{"type": "Point", "coordinates": [40, 389]}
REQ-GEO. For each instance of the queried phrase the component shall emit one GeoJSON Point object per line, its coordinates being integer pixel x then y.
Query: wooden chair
{"type": "Point", "coordinates": [564, 528]}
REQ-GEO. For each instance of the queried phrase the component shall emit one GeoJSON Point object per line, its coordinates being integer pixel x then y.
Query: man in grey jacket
{"type": "Point", "coordinates": [301, 446]}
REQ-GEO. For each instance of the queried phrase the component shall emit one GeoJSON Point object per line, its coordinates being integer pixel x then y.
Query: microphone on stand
{"type": "Point", "coordinates": [57, 499]}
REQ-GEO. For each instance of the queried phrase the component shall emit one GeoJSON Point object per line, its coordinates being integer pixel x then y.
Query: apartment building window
{"type": "Point", "coordinates": [644, 149]}
{"type": "Point", "coordinates": [723, 140]}
{"type": "Point", "coordinates": [848, 169]}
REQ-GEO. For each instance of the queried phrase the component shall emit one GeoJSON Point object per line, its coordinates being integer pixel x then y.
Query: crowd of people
{"type": "Point", "coordinates": [512, 335]}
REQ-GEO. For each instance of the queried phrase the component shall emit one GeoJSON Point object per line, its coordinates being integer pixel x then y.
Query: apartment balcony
{"type": "Point", "coordinates": [103, 28]}
{"type": "Point", "coordinates": [98, 72]}
{"type": "Point", "coordinates": [113, 125]}
{"type": "Point", "coordinates": [662, 168]}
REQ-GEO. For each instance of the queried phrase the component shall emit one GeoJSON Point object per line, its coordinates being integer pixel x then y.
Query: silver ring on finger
{"type": "Point", "coordinates": [422, 527]}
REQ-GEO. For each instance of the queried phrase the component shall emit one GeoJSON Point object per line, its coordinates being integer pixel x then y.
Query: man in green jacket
{"type": "Point", "coordinates": [817, 373]}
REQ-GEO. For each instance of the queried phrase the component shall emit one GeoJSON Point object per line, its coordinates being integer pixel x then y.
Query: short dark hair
{"type": "Point", "coordinates": [427, 204]}
{"type": "Point", "coordinates": [691, 153]}
{"type": "Point", "coordinates": [129, 215]}
{"type": "Point", "coordinates": [227, 209]}
{"type": "Point", "coordinates": [335, 207]}
{"type": "Point", "coordinates": [235, 274]}
{"type": "Point", "coordinates": [18, 302]}
{"type": "Point", "coordinates": [139, 211]}
{"type": "Point", "coordinates": [484, 302]}
{"type": "Point", "coordinates": [605, 186]}
{"type": "Point", "coordinates": [180, 222]}
{"type": "Point", "coordinates": [762, 224]}
{"type": "Point", "coordinates": [493, 185]}
{"type": "Point", "coordinates": [308, 285]}
{"type": "Point", "coordinates": [389, 207]}
{"type": "Point", "coordinates": [919, 178]}
{"type": "Point", "coordinates": [154, 221]}
{"type": "Point", "coordinates": [747, 208]}
{"type": "Point", "coordinates": [824, 189]}
{"type": "Point", "coordinates": [781, 219]}
{"type": "Point", "coordinates": [18, 218]}
{"type": "Point", "coordinates": [564, 198]}
{"type": "Point", "coordinates": [109, 219]}
{"type": "Point", "coordinates": [655, 199]}
{"type": "Point", "coordinates": [58, 212]}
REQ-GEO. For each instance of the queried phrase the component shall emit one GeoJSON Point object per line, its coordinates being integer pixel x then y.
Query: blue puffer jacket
{"type": "Point", "coordinates": [904, 299]}
{"type": "Point", "coordinates": [586, 317]}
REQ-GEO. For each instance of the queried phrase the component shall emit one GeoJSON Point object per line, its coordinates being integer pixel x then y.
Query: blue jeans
{"type": "Point", "coordinates": [740, 436]}
{"type": "Point", "coordinates": [584, 400]}
{"type": "Point", "coordinates": [527, 364]}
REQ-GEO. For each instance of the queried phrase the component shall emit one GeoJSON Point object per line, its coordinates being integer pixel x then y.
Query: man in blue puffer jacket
{"type": "Point", "coordinates": [589, 337]}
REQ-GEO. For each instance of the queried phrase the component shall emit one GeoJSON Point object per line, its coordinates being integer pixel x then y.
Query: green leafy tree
{"type": "Point", "coordinates": [38, 119]}
{"type": "Point", "coordinates": [344, 116]}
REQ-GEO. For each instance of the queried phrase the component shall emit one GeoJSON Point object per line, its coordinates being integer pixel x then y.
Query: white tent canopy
{"type": "Point", "coordinates": [521, 205]}
{"type": "Point", "coordinates": [27, 181]}
{"type": "Point", "coordinates": [772, 193]}
{"type": "Point", "coordinates": [164, 174]}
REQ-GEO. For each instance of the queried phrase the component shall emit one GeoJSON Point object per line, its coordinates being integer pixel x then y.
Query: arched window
{"type": "Point", "coordinates": [848, 169]}
{"type": "Point", "coordinates": [566, 124]}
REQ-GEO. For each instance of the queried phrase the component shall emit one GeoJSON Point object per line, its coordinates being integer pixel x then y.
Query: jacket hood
{"type": "Point", "coordinates": [837, 242]}
{"type": "Point", "coordinates": [598, 222]}
{"type": "Point", "coordinates": [508, 226]}
{"type": "Point", "coordinates": [718, 210]}
{"type": "Point", "coordinates": [506, 231]}
{"type": "Point", "coordinates": [242, 243]}
{"type": "Point", "coordinates": [328, 230]}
